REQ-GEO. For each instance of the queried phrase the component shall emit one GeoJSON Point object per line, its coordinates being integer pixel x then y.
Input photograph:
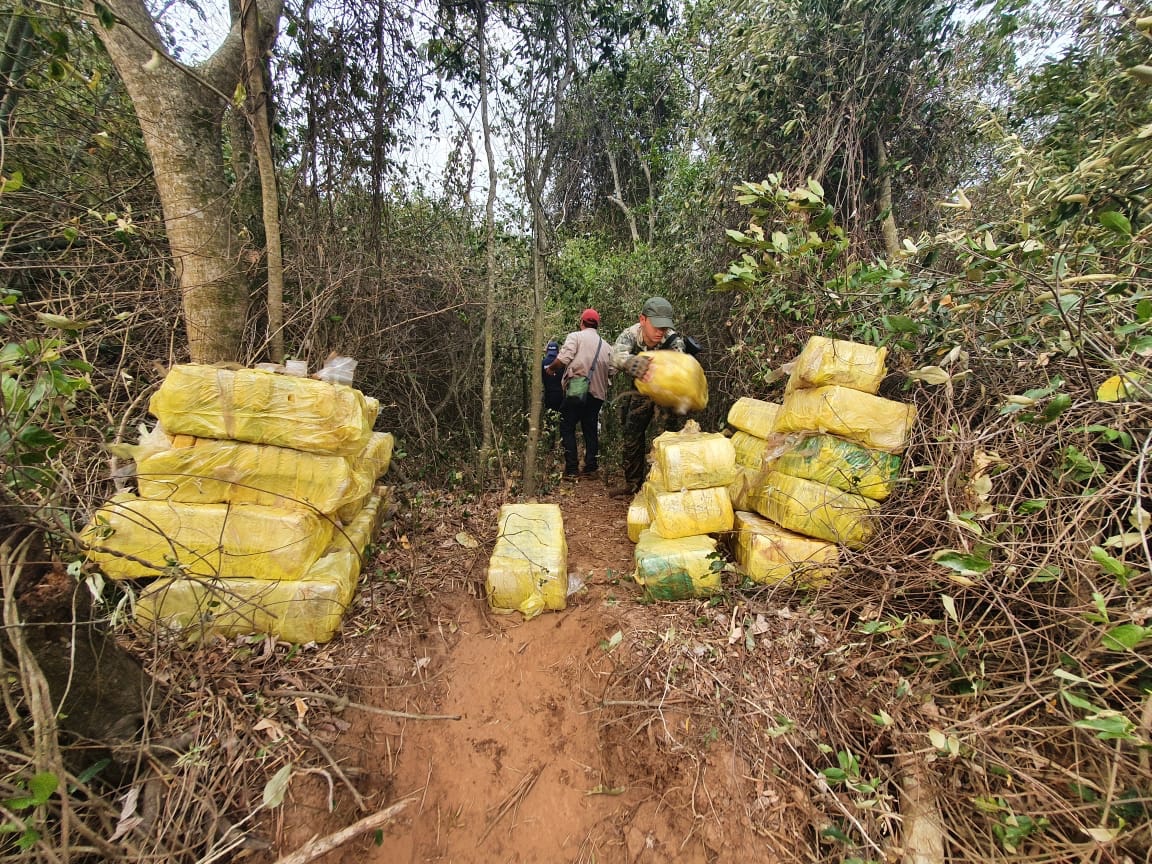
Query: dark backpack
{"type": "Point", "coordinates": [553, 384]}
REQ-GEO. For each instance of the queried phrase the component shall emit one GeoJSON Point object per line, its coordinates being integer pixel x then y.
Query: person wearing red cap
{"type": "Point", "coordinates": [584, 354]}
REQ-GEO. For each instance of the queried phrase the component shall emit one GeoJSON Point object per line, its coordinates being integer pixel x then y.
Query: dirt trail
{"type": "Point", "coordinates": [532, 771]}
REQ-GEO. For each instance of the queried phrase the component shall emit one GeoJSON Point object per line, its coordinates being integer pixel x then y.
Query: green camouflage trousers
{"type": "Point", "coordinates": [637, 414]}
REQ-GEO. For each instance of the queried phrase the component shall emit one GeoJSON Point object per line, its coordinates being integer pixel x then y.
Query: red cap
{"type": "Point", "coordinates": [590, 316]}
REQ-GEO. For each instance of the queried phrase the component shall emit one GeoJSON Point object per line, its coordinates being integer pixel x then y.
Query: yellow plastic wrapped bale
{"type": "Point", "coordinates": [843, 464]}
{"type": "Point", "coordinates": [875, 422]}
{"type": "Point", "coordinates": [528, 570]}
{"type": "Point", "coordinates": [299, 610]}
{"type": "Point", "coordinates": [754, 416]}
{"type": "Point", "coordinates": [132, 538]}
{"type": "Point", "coordinates": [768, 554]}
{"type": "Point", "coordinates": [676, 381]}
{"type": "Point", "coordinates": [210, 471]}
{"type": "Point", "coordinates": [361, 530]}
{"type": "Point", "coordinates": [677, 569]}
{"type": "Point", "coordinates": [741, 489]}
{"type": "Point", "coordinates": [816, 509]}
{"type": "Point", "coordinates": [376, 456]}
{"type": "Point", "coordinates": [691, 459]}
{"type": "Point", "coordinates": [749, 449]}
{"type": "Point", "coordinates": [825, 362]}
{"type": "Point", "coordinates": [638, 516]}
{"type": "Point", "coordinates": [264, 408]}
{"type": "Point", "coordinates": [693, 511]}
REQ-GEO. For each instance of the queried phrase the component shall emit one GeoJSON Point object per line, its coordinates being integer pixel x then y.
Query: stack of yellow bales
{"type": "Point", "coordinates": [255, 500]}
{"type": "Point", "coordinates": [831, 458]}
{"type": "Point", "coordinates": [684, 499]}
{"type": "Point", "coordinates": [528, 570]}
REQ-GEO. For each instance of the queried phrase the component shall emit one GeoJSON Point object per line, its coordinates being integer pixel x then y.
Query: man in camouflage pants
{"type": "Point", "coordinates": [653, 332]}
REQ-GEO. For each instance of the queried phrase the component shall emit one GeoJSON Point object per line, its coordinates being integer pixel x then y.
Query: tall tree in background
{"type": "Point", "coordinates": [850, 93]}
{"type": "Point", "coordinates": [180, 109]}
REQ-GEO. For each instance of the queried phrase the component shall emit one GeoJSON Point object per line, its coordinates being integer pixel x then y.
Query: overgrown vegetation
{"type": "Point", "coordinates": [988, 649]}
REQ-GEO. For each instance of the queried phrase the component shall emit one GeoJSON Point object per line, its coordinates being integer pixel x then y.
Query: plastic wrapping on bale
{"type": "Point", "coordinates": [841, 463]}
{"type": "Point", "coordinates": [676, 381]}
{"type": "Point", "coordinates": [768, 554]}
{"type": "Point", "coordinates": [691, 459]}
{"type": "Point", "coordinates": [376, 456]}
{"type": "Point", "coordinates": [825, 362]}
{"type": "Point", "coordinates": [264, 408]}
{"type": "Point", "coordinates": [132, 538]}
{"type": "Point", "coordinates": [528, 570]}
{"type": "Point", "coordinates": [816, 509]}
{"type": "Point", "coordinates": [639, 518]}
{"type": "Point", "coordinates": [692, 511]}
{"type": "Point", "coordinates": [749, 450]}
{"type": "Point", "coordinates": [298, 610]}
{"type": "Point", "coordinates": [740, 490]}
{"type": "Point", "coordinates": [754, 416]}
{"type": "Point", "coordinates": [209, 471]}
{"type": "Point", "coordinates": [875, 422]}
{"type": "Point", "coordinates": [676, 569]}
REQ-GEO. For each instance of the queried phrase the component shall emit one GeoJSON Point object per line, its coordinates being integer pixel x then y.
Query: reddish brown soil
{"type": "Point", "coordinates": [537, 768]}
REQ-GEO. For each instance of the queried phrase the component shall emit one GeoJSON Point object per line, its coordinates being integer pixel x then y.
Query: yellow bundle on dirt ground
{"type": "Point", "coordinates": [676, 380]}
{"type": "Point", "coordinates": [309, 609]}
{"type": "Point", "coordinates": [677, 569]}
{"type": "Point", "coordinates": [298, 610]}
{"type": "Point", "coordinates": [875, 422]}
{"type": "Point", "coordinates": [816, 509]}
{"type": "Point", "coordinates": [133, 538]}
{"type": "Point", "coordinates": [264, 408]}
{"type": "Point", "coordinates": [693, 511]}
{"type": "Point", "coordinates": [841, 463]}
{"type": "Point", "coordinates": [528, 570]}
{"type": "Point", "coordinates": [749, 449]}
{"type": "Point", "coordinates": [754, 416]}
{"type": "Point", "coordinates": [361, 530]}
{"type": "Point", "coordinates": [768, 554]}
{"type": "Point", "coordinates": [691, 459]}
{"type": "Point", "coordinates": [826, 361]}
{"type": "Point", "coordinates": [638, 516]}
{"type": "Point", "coordinates": [210, 471]}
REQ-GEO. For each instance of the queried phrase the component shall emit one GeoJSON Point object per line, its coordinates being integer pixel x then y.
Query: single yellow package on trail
{"type": "Point", "coordinates": [693, 511]}
{"type": "Point", "coordinates": [133, 538]}
{"type": "Point", "coordinates": [816, 509]}
{"type": "Point", "coordinates": [691, 459]}
{"type": "Point", "coordinates": [264, 408]}
{"type": "Point", "coordinates": [677, 569]}
{"type": "Point", "coordinates": [528, 570]}
{"type": "Point", "coordinates": [676, 381]}
{"type": "Point", "coordinates": [875, 422]}
{"type": "Point", "coordinates": [827, 361]}
{"type": "Point", "coordinates": [639, 517]}
{"type": "Point", "coordinates": [768, 554]}
{"type": "Point", "coordinates": [303, 610]}
{"type": "Point", "coordinates": [754, 416]}
{"type": "Point", "coordinates": [749, 450]}
{"type": "Point", "coordinates": [211, 471]}
{"type": "Point", "coordinates": [841, 463]}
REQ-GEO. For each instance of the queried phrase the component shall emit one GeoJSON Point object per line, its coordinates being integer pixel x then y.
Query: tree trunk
{"type": "Point", "coordinates": [269, 194]}
{"type": "Point", "coordinates": [488, 438]}
{"type": "Point", "coordinates": [884, 198]}
{"type": "Point", "coordinates": [180, 111]}
{"type": "Point", "coordinates": [618, 200]}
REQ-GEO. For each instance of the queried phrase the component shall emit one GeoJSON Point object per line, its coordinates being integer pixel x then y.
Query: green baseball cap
{"type": "Point", "coordinates": [658, 311]}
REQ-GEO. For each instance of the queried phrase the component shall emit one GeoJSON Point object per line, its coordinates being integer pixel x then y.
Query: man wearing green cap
{"type": "Point", "coordinates": [653, 332]}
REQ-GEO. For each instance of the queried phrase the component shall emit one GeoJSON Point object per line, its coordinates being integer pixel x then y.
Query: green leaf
{"type": "Point", "coordinates": [1124, 637]}
{"type": "Point", "coordinates": [1056, 406]}
{"type": "Point", "coordinates": [1108, 563]}
{"type": "Point", "coordinates": [901, 324]}
{"type": "Point", "coordinates": [967, 565]}
{"type": "Point", "coordinates": [13, 183]}
{"type": "Point", "coordinates": [1034, 505]}
{"type": "Point", "coordinates": [104, 14]}
{"type": "Point", "coordinates": [815, 187]}
{"type": "Point", "coordinates": [1116, 222]}
{"type": "Point", "coordinates": [275, 789]}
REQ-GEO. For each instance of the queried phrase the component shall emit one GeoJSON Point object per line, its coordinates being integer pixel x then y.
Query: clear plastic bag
{"type": "Point", "coordinates": [338, 370]}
